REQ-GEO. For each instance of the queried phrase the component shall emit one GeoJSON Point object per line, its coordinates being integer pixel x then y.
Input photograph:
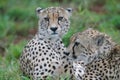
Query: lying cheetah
{"type": "Point", "coordinates": [44, 54]}
{"type": "Point", "coordinates": [93, 56]}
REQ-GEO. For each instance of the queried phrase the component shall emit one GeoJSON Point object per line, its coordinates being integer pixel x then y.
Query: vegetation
{"type": "Point", "coordinates": [18, 24]}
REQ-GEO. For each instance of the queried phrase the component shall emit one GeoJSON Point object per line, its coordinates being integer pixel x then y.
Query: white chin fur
{"type": "Point", "coordinates": [54, 36]}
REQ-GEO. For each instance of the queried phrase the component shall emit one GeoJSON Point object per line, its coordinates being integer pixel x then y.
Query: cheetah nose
{"type": "Point", "coordinates": [77, 43]}
{"type": "Point", "coordinates": [53, 29]}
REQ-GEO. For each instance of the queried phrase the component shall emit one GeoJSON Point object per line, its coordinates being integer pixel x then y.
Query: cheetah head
{"type": "Point", "coordinates": [53, 21]}
{"type": "Point", "coordinates": [89, 47]}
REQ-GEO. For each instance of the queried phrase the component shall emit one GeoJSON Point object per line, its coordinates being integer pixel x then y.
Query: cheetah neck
{"type": "Point", "coordinates": [52, 41]}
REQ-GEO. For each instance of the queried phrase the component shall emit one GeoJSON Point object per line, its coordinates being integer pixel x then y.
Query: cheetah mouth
{"type": "Point", "coordinates": [54, 33]}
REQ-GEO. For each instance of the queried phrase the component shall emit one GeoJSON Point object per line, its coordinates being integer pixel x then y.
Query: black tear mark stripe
{"type": "Point", "coordinates": [74, 56]}
{"type": "Point", "coordinates": [48, 20]}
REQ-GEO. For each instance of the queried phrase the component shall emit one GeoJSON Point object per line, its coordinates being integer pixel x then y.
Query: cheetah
{"type": "Point", "coordinates": [104, 69]}
{"type": "Point", "coordinates": [90, 45]}
{"type": "Point", "coordinates": [44, 54]}
{"type": "Point", "coordinates": [95, 56]}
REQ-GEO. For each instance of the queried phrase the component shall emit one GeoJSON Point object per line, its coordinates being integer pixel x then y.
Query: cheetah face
{"type": "Point", "coordinates": [82, 48]}
{"type": "Point", "coordinates": [53, 21]}
{"type": "Point", "coordinates": [89, 47]}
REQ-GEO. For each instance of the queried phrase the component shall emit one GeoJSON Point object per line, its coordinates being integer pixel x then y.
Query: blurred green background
{"type": "Point", "coordinates": [18, 24]}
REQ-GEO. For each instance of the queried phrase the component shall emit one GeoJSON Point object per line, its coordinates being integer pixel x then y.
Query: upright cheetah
{"type": "Point", "coordinates": [43, 55]}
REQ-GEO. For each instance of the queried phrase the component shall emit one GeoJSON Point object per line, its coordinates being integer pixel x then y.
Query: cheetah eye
{"type": "Point", "coordinates": [46, 19]}
{"type": "Point", "coordinates": [60, 18]}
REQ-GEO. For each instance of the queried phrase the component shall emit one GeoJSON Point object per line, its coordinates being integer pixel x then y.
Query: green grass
{"type": "Point", "coordinates": [18, 23]}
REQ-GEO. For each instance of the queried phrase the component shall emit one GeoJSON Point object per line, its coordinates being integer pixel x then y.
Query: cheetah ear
{"type": "Point", "coordinates": [38, 10]}
{"type": "Point", "coordinates": [100, 40]}
{"type": "Point", "coordinates": [69, 10]}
